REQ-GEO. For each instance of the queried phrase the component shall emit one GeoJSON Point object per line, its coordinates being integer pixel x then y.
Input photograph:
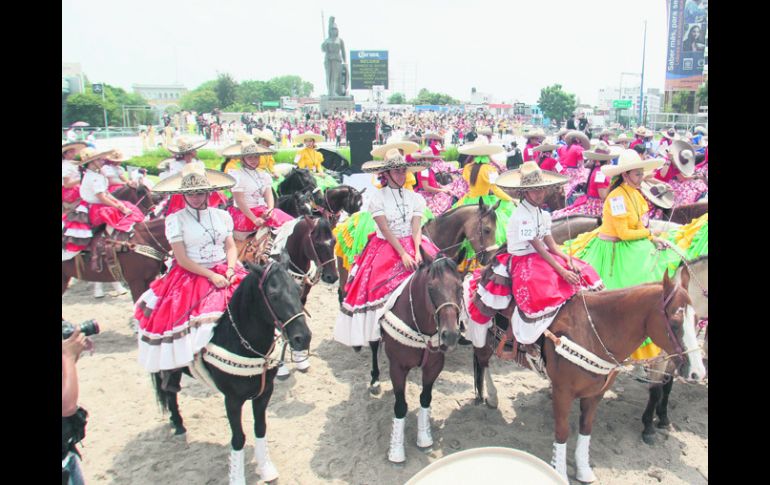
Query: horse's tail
{"type": "Point", "coordinates": [163, 397]}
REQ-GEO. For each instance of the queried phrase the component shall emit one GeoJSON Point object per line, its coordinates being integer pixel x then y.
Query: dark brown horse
{"type": "Point", "coordinates": [660, 373]}
{"type": "Point", "coordinates": [420, 327]}
{"type": "Point", "coordinates": [331, 201]}
{"type": "Point", "coordinates": [448, 231]}
{"type": "Point", "coordinates": [139, 266]}
{"type": "Point", "coordinates": [662, 311]}
{"type": "Point", "coordinates": [569, 227]}
{"type": "Point", "coordinates": [312, 241]}
{"type": "Point", "coordinates": [298, 180]}
{"type": "Point", "coordinates": [141, 196]}
{"type": "Point", "coordinates": [296, 204]}
{"type": "Point", "coordinates": [684, 214]}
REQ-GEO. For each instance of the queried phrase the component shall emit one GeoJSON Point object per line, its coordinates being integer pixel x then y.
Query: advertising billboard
{"type": "Point", "coordinates": [368, 68]}
{"type": "Point", "coordinates": [686, 43]}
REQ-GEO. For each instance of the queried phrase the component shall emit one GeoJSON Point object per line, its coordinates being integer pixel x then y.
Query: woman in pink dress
{"type": "Point", "coordinates": [438, 197]}
{"type": "Point", "coordinates": [577, 142]}
{"type": "Point", "coordinates": [598, 185]}
{"type": "Point", "coordinates": [679, 173]}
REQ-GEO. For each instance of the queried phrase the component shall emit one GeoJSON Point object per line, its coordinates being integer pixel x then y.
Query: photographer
{"type": "Point", "coordinates": [73, 416]}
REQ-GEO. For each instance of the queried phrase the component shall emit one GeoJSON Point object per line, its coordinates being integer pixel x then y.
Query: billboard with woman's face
{"type": "Point", "coordinates": [687, 24]}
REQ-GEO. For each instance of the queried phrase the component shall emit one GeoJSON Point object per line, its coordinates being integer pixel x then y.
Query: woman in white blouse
{"type": "Point", "coordinates": [253, 191]}
{"type": "Point", "coordinates": [390, 256]}
{"type": "Point", "coordinates": [177, 314]}
{"type": "Point", "coordinates": [116, 175]}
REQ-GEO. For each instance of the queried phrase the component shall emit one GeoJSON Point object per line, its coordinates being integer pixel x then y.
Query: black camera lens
{"type": "Point", "coordinates": [87, 328]}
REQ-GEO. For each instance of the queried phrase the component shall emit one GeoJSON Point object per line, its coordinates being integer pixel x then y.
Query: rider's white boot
{"type": "Point", "coordinates": [396, 452]}
{"type": "Point", "coordinates": [424, 438]}
{"type": "Point", "coordinates": [584, 472]}
{"type": "Point", "coordinates": [236, 468]}
{"type": "Point", "coordinates": [265, 467]}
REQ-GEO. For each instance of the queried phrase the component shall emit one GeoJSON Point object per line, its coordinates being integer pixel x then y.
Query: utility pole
{"type": "Point", "coordinates": [641, 82]}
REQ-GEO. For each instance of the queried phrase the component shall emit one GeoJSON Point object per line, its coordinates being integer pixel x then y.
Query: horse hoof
{"type": "Point", "coordinates": [649, 438]}
{"type": "Point", "coordinates": [663, 424]}
{"type": "Point", "coordinates": [357, 348]}
{"type": "Point", "coordinates": [491, 403]}
{"type": "Point", "coordinates": [478, 400]}
{"type": "Point", "coordinates": [375, 389]}
{"type": "Point", "coordinates": [179, 430]}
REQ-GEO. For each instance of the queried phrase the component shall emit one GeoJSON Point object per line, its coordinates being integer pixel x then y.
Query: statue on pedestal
{"type": "Point", "coordinates": [335, 62]}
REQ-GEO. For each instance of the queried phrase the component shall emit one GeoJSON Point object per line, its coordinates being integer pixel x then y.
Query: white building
{"type": "Point", "coordinates": [653, 99]}
{"type": "Point", "coordinates": [160, 96]}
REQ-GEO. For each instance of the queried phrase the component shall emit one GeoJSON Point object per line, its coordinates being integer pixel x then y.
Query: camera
{"type": "Point", "coordinates": [87, 328]}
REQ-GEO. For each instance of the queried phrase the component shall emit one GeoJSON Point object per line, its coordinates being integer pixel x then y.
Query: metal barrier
{"type": "Point", "coordinates": [680, 121]}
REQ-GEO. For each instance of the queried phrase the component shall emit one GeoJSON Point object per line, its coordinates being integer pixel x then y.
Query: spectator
{"type": "Point", "coordinates": [73, 416]}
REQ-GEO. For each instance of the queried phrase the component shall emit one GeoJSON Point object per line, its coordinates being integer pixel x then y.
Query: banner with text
{"type": "Point", "coordinates": [368, 68]}
{"type": "Point", "coordinates": [687, 26]}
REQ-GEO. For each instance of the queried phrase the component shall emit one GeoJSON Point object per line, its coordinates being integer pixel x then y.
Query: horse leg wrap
{"type": "Point", "coordinates": [559, 460]}
{"type": "Point", "coordinates": [584, 472]}
{"type": "Point", "coordinates": [265, 467]}
{"type": "Point", "coordinates": [396, 452]}
{"type": "Point", "coordinates": [424, 438]}
{"type": "Point", "coordinates": [237, 476]}
{"type": "Point", "coordinates": [301, 359]}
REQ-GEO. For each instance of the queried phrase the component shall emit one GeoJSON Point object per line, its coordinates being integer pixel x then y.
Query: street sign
{"type": "Point", "coordinates": [97, 88]}
{"type": "Point", "coordinates": [621, 103]}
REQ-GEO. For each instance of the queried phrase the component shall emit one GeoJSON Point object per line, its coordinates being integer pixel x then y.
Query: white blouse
{"type": "Point", "coordinates": [398, 207]}
{"type": "Point", "coordinates": [252, 184]}
{"type": "Point", "coordinates": [69, 169]}
{"type": "Point", "coordinates": [93, 183]}
{"type": "Point", "coordinates": [527, 222]}
{"type": "Point", "coordinates": [112, 171]}
{"type": "Point", "coordinates": [204, 240]}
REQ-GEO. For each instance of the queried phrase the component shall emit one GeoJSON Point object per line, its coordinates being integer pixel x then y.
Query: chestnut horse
{"type": "Point", "coordinates": [662, 311]}
{"type": "Point", "coordinates": [420, 327]}
{"type": "Point", "coordinates": [139, 269]}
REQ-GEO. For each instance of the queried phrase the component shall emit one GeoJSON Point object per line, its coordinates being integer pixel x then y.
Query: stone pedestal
{"type": "Point", "coordinates": [329, 103]}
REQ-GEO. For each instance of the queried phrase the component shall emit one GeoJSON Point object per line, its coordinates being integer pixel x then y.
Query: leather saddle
{"type": "Point", "coordinates": [105, 246]}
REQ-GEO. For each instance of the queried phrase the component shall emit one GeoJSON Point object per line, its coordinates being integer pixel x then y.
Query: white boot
{"type": "Point", "coordinates": [118, 288]}
{"type": "Point", "coordinates": [98, 290]}
{"type": "Point", "coordinates": [301, 359]}
{"type": "Point", "coordinates": [584, 472]}
{"type": "Point", "coordinates": [265, 467]}
{"type": "Point", "coordinates": [396, 452]}
{"type": "Point", "coordinates": [559, 460]}
{"type": "Point", "coordinates": [236, 468]}
{"type": "Point", "coordinates": [424, 439]}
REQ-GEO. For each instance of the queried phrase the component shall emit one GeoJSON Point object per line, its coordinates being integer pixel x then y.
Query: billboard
{"type": "Point", "coordinates": [368, 68]}
{"type": "Point", "coordinates": [686, 43]}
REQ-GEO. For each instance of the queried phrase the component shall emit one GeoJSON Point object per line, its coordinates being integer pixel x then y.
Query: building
{"type": "Point", "coordinates": [71, 78]}
{"type": "Point", "coordinates": [160, 96]}
{"type": "Point", "coordinates": [478, 97]}
{"type": "Point", "coordinates": [653, 99]}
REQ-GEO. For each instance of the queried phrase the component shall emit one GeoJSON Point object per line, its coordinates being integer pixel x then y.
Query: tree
{"type": "Point", "coordinates": [288, 86]}
{"type": "Point", "coordinates": [397, 98]}
{"type": "Point", "coordinates": [426, 97]}
{"type": "Point", "coordinates": [703, 94]}
{"type": "Point", "coordinates": [225, 89]}
{"type": "Point", "coordinates": [680, 101]}
{"type": "Point", "coordinates": [90, 107]}
{"type": "Point", "coordinates": [251, 92]}
{"type": "Point", "coordinates": [202, 101]}
{"type": "Point", "coordinates": [556, 104]}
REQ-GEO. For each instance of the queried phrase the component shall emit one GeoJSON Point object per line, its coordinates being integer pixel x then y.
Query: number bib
{"type": "Point", "coordinates": [527, 231]}
{"type": "Point", "coordinates": [600, 177]}
{"type": "Point", "coordinates": [618, 206]}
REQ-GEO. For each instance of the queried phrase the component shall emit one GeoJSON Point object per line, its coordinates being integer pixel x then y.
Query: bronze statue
{"type": "Point", "coordinates": [335, 62]}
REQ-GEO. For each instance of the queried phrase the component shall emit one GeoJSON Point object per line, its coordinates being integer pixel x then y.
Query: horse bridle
{"type": "Point", "coordinates": [435, 313]}
{"type": "Point", "coordinates": [669, 329]}
{"type": "Point", "coordinates": [316, 258]}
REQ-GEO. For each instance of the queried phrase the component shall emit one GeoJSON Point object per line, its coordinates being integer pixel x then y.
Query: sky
{"type": "Point", "coordinates": [510, 49]}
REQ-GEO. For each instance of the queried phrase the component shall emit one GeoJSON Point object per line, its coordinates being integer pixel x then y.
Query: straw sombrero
{"type": "Point", "coordinates": [264, 135]}
{"type": "Point", "coordinates": [584, 141]}
{"type": "Point", "coordinates": [546, 146]}
{"type": "Point", "coordinates": [245, 148]}
{"type": "Point", "coordinates": [683, 156]}
{"type": "Point", "coordinates": [670, 134]}
{"type": "Point", "coordinates": [73, 145]}
{"type": "Point", "coordinates": [304, 136]}
{"type": "Point", "coordinates": [480, 146]}
{"type": "Point", "coordinates": [528, 177]}
{"type": "Point", "coordinates": [434, 136]}
{"type": "Point", "coordinates": [117, 156]}
{"type": "Point", "coordinates": [630, 160]}
{"type": "Point", "coordinates": [184, 145]}
{"type": "Point", "coordinates": [622, 138]}
{"type": "Point", "coordinates": [701, 129]}
{"type": "Point", "coordinates": [561, 132]}
{"type": "Point", "coordinates": [194, 178]}
{"type": "Point", "coordinates": [89, 154]}
{"type": "Point", "coordinates": [393, 159]}
{"type": "Point", "coordinates": [408, 147]}
{"type": "Point", "coordinates": [537, 133]}
{"type": "Point", "coordinates": [601, 152]}
{"type": "Point", "coordinates": [605, 132]}
{"type": "Point", "coordinates": [640, 131]}
{"type": "Point", "coordinates": [659, 193]}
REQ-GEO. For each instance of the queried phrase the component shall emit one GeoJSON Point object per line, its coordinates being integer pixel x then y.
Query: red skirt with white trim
{"type": "Point", "coordinates": [242, 223]}
{"type": "Point", "coordinates": [113, 217]}
{"type": "Point", "coordinates": [76, 228]}
{"type": "Point", "coordinates": [177, 316]}
{"type": "Point", "coordinates": [176, 202]}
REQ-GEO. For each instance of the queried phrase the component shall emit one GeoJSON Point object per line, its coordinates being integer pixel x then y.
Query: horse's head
{"type": "Point", "coordinates": [555, 198]}
{"type": "Point", "coordinates": [280, 295]}
{"type": "Point", "coordinates": [444, 288]}
{"type": "Point", "coordinates": [321, 248]}
{"type": "Point", "coordinates": [353, 201]}
{"type": "Point", "coordinates": [303, 203]}
{"type": "Point", "coordinates": [444, 178]}
{"type": "Point", "coordinates": [675, 331]}
{"type": "Point", "coordinates": [480, 231]}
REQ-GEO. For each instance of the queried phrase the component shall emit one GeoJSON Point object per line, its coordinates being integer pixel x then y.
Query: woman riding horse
{"type": "Point", "coordinates": [187, 152]}
{"type": "Point", "coordinates": [178, 313]}
{"type": "Point", "coordinates": [70, 174]}
{"type": "Point", "coordinates": [597, 185]}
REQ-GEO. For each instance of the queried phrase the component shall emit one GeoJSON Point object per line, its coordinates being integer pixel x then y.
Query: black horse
{"type": "Point", "coordinates": [265, 301]}
{"type": "Point", "coordinates": [298, 180]}
{"type": "Point", "coordinates": [331, 201]}
{"type": "Point", "coordinates": [296, 204]}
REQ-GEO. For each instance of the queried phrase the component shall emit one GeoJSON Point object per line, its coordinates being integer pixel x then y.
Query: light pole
{"type": "Point", "coordinates": [620, 89]}
{"type": "Point", "coordinates": [641, 81]}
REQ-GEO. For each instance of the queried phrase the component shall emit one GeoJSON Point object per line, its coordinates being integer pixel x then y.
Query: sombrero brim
{"type": "Point", "coordinates": [473, 149]}
{"type": "Point", "coordinates": [377, 166]}
{"type": "Point", "coordinates": [217, 179]}
{"type": "Point", "coordinates": [236, 151]}
{"type": "Point", "coordinates": [687, 170]}
{"type": "Point", "coordinates": [665, 201]}
{"type": "Point", "coordinates": [93, 157]}
{"type": "Point", "coordinates": [510, 182]}
{"type": "Point", "coordinates": [301, 138]}
{"type": "Point", "coordinates": [666, 135]}
{"type": "Point", "coordinates": [195, 146]}
{"type": "Point", "coordinates": [598, 156]}
{"type": "Point", "coordinates": [264, 135]}
{"type": "Point", "coordinates": [118, 160]}
{"type": "Point", "coordinates": [417, 156]}
{"type": "Point", "coordinates": [409, 147]}
{"type": "Point", "coordinates": [675, 150]}
{"type": "Point", "coordinates": [646, 165]}
{"type": "Point", "coordinates": [545, 147]}
{"type": "Point", "coordinates": [75, 145]}
{"type": "Point", "coordinates": [584, 141]}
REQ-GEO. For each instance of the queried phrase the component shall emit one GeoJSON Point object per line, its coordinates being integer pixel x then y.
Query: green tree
{"type": "Point", "coordinates": [225, 90]}
{"type": "Point", "coordinates": [202, 101]}
{"type": "Point", "coordinates": [427, 97]}
{"type": "Point", "coordinates": [703, 94]}
{"type": "Point", "coordinates": [556, 104]}
{"type": "Point", "coordinates": [397, 98]}
{"type": "Point", "coordinates": [90, 107]}
{"type": "Point", "coordinates": [84, 107]}
{"type": "Point", "coordinates": [251, 92]}
{"type": "Point", "coordinates": [681, 101]}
